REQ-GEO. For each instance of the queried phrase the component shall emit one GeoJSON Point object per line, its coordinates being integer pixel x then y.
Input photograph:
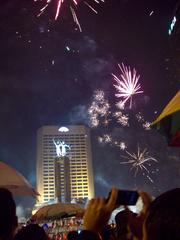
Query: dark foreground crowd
{"type": "Point", "coordinates": [158, 220]}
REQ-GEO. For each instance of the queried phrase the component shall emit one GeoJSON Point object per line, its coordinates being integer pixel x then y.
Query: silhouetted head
{"type": "Point", "coordinates": [8, 219]}
{"type": "Point", "coordinates": [73, 235]}
{"type": "Point", "coordinates": [121, 220]}
{"type": "Point", "coordinates": [31, 232]}
{"type": "Point", "coordinates": [163, 217]}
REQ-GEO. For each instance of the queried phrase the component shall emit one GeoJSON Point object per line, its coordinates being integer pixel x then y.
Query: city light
{"type": "Point", "coordinates": [172, 25]}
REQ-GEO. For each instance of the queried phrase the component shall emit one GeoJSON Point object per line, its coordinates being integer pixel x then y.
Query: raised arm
{"type": "Point", "coordinates": [98, 212]}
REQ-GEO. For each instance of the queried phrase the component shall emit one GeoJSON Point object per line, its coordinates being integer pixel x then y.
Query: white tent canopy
{"type": "Point", "coordinates": [15, 182]}
{"type": "Point", "coordinates": [57, 210]}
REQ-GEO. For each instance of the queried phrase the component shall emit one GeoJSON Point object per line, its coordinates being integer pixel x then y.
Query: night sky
{"type": "Point", "coordinates": [42, 82]}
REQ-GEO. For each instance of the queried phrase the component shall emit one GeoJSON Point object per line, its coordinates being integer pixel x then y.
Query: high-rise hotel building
{"type": "Point", "coordinates": [72, 143]}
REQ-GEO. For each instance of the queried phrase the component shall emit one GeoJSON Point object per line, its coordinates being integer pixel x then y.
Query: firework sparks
{"type": "Point", "coordinates": [127, 85]}
{"type": "Point", "coordinates": [94, 121]}
{"type": "Point", "coordinates": [106, 138]}
{"type": "Point", "coordinates": [106, 122]}
{"type": "Point", "coordinates": [99, 109]}
{"type": "Point", "coordinates": [120, 105]}
{"type": "Point", "coordinates": [147, 125]}
{"type": "Point", "coordinates": [121, 145]}
{"type": "Point", "coordinates": [139, 117]}
{"type": "Point", "coordinates": [100, 139]}
{"type": "Point", "coordinates": [121, 118]}
{"type": "Point", "coordinates": [72, 6]}
{"type": "Point", "coordinates": [139, 161]}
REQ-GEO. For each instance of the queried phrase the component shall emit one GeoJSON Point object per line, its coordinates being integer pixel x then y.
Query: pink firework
{"type": "Point", "coordinates": [127, 85]}
{"type": "Point", "coordinates": [72, 6]}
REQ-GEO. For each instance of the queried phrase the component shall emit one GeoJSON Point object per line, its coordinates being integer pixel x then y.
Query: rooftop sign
{"type": "Point", "coordinates": [63, 129]}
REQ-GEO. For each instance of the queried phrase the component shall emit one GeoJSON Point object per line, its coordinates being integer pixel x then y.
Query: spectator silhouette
{"type": "Point", "coordinates": [163, 217]}
{"type": "Point", "coordinates": [31, 232]}
{"type": "Point", "coordinates": [8, 219]}
{"type": "Point", "coordinates": [122, 225]}
{"type": "Point", "coordinates": [73, 235]}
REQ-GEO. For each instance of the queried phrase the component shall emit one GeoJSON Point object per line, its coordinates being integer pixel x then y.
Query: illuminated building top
{"type": "Point", "coordinates": [63, 129]}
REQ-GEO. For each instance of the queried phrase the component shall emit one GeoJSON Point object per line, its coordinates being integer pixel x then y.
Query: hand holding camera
{"type": "Point", "coordinates": [126, 197]}
{"type": "Point", "coordinates": [99, 211]}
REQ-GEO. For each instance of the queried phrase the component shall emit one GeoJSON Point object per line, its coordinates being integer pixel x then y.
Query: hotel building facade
{"type": "Point", "coordinates": [76, 148]}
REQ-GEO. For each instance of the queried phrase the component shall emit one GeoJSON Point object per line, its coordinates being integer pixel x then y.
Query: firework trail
{"type": "Point", "coordinates": [99, 109]}
{"type": "Point", "coordinates": [139, 161]}
{"type": "Point", "coordinates": [72, 4]}
{"type": "Point", "coordinates": [127, 85]}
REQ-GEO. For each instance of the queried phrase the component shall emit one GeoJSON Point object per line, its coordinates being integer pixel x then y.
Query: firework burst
{"type": "Point", "coordinates": [122, 119]}
{"type": "Point", "coordinates": [72, 5]}
{"type": "Point", "coordinates": [139, 161]}
{"type": "Point", "coordinates": [99, 109]}
{"type": "Point", "coordinates": [127, 85]}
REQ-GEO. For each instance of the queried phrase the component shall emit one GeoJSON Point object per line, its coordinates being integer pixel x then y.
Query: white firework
{"type": "Point", "coordinates": [121, 145]}
{"type": "Point", "coordinates": [99, 109]}
{"type": "Point", "coordinates": [94, 121]}
{"type": "Point", "coordinates": [146, 125]}
{"type": "Point", "coordinates": [100, 139]}
{"type": "Point", "coordinates": [120, 105]}
{"type": "Point", "coordinates": [139, 161]}
{"type": "Point", "coordinates": [99, 95]}
{"type": "Point", "coordinates": [139, 117]}
{"type": "Point", "coordinates": [107, 138]}
{"type": "Point", "coordinates": [127, 85]}
{"type": "Point", "coordinates": [121, 118]}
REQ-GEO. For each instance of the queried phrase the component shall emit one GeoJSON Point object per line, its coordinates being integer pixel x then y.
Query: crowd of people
{"type": "Point", "coordinates": [58, 229]}
{"type": "Point", "coordinates": [159, 219]}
